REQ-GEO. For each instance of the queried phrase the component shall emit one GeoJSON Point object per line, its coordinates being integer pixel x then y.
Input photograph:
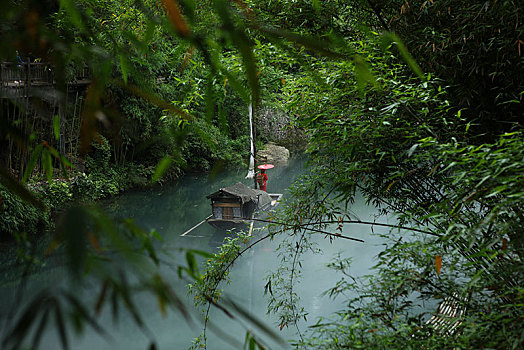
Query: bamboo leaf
{"type": "Point", "coordinates": [191, 263]}
{"type": "Point", "coordinates": [115, 305]}
{"type": "Point", "coordinates": [252, 343]}
{"type": "Point", "coordinates": [433, 170]}
{"type": "Point", "coordinates": [161, 168]}
{"type": "Point", "coordinates": [82, 311]}
{"type": "Point", "coordinates": [74, 14]}
{"type": "Point", "coordinates": [391, 184]}
{"type": "Point", "coordinates": [32, 161]}
{"type": "Point", "coordinates": [89, 117]}
{"type": "Point", "coordinates": [56, 126]}
{"type": "Point", "coordinates": [60, 326]}
{"type": "Point", "coordinates": [320, 45]}
{"type": "Point", "coordinates": [47, 164]}
{"type": "Point", "coordinates": [244, 45]}
{"type": "Point", "coordinates": [438, 263]}
{"type": "Point", "coordinates": [316, 5]}
{"type": "Point", "coordinates": [176, 18]}
{"type": "Point", "coordinates": [101, 298]}
{"type": "Point", "coordinates": [41, 326]}
{"type": "Point", "coordinates": [72, 229]}
{"type": "Point", "coordinates": [124, 67]}
{"type": "Point", "coordinates": [363, 73]}
{"type": "Point", "coordinates": [64, 162]}
{"type": "Point", "coordinates": [24, 323]}
{"type": "Point", "coordinates": [391, 38]}
{"type": "Point", "coordinates": [412, 149]}
{"type": "Point", "coordinates": [256, 322]}
{"type": "Point", "coordinates": [155, 100]}
{"type": "Point", "coordinates": [246, 339]}
{"type": "Point", "coordinates": [162, 305]}
{"type": "Point", "coordinates": [202, 253]}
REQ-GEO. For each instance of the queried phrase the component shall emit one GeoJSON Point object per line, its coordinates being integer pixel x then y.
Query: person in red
{"type": "Point", "coordinates": [261, 179]}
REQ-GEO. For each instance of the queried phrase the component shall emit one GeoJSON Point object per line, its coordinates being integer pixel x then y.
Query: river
{"type": "Point", "coordinates": [173, 209]}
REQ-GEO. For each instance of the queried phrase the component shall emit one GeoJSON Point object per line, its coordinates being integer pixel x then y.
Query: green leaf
{"type": "Point", "coordinates": [32, 161]}
{"type": "Point", "coordinates": [316, 5]}
{"type": "Point", "coordinates": [25, 322]}
{"type": "Point", "coordinates": [56, 126]}
{"type": "Point", "coordinates": [40, 329]}
{"type": "Point", "coordinates": [124, 67]}
{"type": "Point", "coordinates": [192, 264]}
{"type": "Point", "coordinates": [246, 339]}
{"type": "Point", "coordinates": [74, 14]}
{"type": "Point", "coordinates": [64, 162]}
{"type": "Point", "coordinates": [363, 73]}
{"type": "Point", "coordinates": [412, 149]}
{"type": "Point", "coordinates": [61, 326]}
{"type": "Point", "coordinates": [392, 38]}
{"type": "Point", "coordinates": [47, 164]}
{"type": "Point", "coordinates": [161, 168]}
{"type": "Point", "coordinates": [254, 321]}
{"type": "Point", "coordinates": [202, 253]}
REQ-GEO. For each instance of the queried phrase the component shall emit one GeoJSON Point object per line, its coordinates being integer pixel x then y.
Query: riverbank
{"type": "Point", "coordinates": [20, 218]}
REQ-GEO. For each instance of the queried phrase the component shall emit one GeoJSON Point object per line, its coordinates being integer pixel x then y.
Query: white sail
{"type": "Point", "coordinates": [251, 169]}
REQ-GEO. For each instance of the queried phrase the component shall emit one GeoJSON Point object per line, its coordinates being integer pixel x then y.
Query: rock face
{"type": "Point", "coordinates": [275, 126]}
{"type": "Point", "coordinates": [273, 154]}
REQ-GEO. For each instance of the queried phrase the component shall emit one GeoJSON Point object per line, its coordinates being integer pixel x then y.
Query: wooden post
{"type": "Point", "coordinates": [254, 143]}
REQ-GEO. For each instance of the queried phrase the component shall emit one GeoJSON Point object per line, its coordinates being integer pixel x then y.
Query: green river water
{"type": "Point", "coordinates": [171, 210]}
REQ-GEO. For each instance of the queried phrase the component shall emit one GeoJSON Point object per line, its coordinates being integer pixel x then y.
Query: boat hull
{"type": "Point", "coordinates": [229, 225]}
{"type": "Point", "coordinates": [238, 224]}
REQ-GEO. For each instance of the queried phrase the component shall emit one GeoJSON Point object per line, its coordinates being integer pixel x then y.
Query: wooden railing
{"type": "Point", "coordinates": [450, 314]}
{"type": "Point", "coordinates": [33, 74]}
{"type": "Point", "coordinates": [22, 80]}
{"type": "Point", "coordinates": [24, 74]}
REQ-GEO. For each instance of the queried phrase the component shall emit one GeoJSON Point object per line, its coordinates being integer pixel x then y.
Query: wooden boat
{"type": "Point", "coordinates": [235, 206]}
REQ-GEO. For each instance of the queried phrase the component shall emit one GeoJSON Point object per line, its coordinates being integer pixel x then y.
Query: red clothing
{"type": "Point", "coordinates": [261, 180]}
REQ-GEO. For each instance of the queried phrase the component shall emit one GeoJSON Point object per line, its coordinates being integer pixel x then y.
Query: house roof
{"type": "Point", "coordinates": [244, 193]}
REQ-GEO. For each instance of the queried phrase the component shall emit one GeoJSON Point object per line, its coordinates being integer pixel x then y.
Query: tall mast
{"type": "Point", "coordinates": [251, 169]}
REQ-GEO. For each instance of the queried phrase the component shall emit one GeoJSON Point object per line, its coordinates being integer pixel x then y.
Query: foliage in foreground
{"type": "Point", "coordinates": [468, 246]}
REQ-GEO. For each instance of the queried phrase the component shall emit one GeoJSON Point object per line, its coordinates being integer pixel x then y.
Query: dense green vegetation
{"type": "Point", "coordinates": [438, 146]}
{"type": "Point", "coordinates": [148, 100]}
{"type": "Point", "coordinates": [417, 105]}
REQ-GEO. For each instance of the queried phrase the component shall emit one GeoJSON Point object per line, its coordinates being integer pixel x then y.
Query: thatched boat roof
{"type": "Point", "coordinates": [244, 193]}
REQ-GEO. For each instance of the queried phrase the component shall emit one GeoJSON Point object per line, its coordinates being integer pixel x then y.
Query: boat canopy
{"type": "Point", "coordinates": [244, 193]}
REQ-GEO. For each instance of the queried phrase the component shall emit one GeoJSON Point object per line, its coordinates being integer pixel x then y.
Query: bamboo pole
{"type": "Point", "coordinates": [194, 227]}
{"type": "Point", "coordinates": [73, 128]}
{"type": "Point", "coordinates": [251, 228]}
{"type": "Point", "coordinates": [251, 167]}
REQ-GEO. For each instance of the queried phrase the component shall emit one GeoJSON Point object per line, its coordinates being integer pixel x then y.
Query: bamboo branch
{"type": "Point", "coordinates": [371, 223]}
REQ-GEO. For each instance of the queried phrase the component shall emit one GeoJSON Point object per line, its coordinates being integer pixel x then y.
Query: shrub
{"type": "Point", "coordinates": [18, 217]}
